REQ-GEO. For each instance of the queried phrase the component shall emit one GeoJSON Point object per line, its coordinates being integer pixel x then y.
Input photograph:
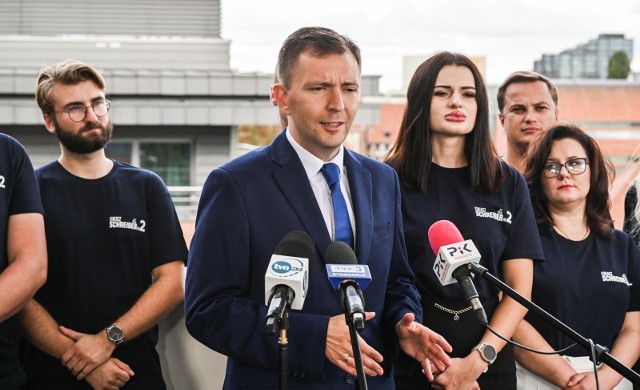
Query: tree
{"type": "Point", "coordinates": [619, 65]}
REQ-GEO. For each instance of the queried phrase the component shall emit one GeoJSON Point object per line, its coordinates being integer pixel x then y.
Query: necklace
{"type": "Point", "coordinates": [455, 313]}
{"type": "Point", "coordinates": [565, 235]}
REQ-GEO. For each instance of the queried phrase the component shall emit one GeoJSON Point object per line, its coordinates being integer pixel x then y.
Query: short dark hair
{"type": "Point", "coordinates": [525, 76]}
{"type": "Point", "coordinates": [320, 41]}
{"type": "Point", "coordinates": [602, 173]}
{"type": "Point", "coordinates": [68, 72]}
{"type": "Point", "coordinates": [412, 151]}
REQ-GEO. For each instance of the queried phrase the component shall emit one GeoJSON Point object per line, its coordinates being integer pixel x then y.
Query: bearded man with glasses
{"type": "Point", "coordinates": [116, 250]}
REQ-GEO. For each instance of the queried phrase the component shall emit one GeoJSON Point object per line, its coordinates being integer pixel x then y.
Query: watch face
{"type": "Point", "coordinates": [489, 352]}
{"type": "Point", "coordinates": [115, 334]}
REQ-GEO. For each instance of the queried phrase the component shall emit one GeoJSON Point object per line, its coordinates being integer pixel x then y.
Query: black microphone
{"type": "Point", "coordinates": [287, 277]}
{"type": "Point", "coordinates": [463, 275]}
{"type": "Point", "coordinates": [349, 278]}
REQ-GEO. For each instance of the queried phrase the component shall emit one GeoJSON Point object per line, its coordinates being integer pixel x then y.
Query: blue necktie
{"type": "Point", "coordinates": [331, 174]}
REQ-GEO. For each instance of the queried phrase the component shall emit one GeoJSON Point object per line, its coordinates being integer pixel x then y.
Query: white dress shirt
{"type": "Point", "coordinates": [312, 166]}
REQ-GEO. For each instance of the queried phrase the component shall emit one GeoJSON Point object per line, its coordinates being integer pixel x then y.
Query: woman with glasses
{"type": "Point", "coordinates": [590, 279]}
{"type": "Point", "coordinates": [449, 169]}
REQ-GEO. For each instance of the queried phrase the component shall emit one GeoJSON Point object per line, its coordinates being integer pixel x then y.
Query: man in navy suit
{"type": "Point", "coordinates": [251, 203]}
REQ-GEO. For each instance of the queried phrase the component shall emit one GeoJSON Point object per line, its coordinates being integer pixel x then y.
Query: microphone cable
{"type": "Point", "coordinates": [557, 352]}
{"type": "Point", "coordinates": [529, 348]}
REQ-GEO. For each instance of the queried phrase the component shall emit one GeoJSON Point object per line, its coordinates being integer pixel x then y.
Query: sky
{"type": "Point", "coordinates": [510, 34]}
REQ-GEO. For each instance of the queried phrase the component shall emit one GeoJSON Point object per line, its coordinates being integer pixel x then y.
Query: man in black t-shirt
{"type": "Point", "coordinates": [23, 252]}
{"type": "Point", "coordinates": [116, 250]}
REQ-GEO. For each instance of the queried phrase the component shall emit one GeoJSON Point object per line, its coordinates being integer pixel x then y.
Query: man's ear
{"type": "Point", "coordinates": [49, 123]}
{"type": "Point", "coordinates": [280, 94]}
{"type": "Point", "coordinates": [501, 119]}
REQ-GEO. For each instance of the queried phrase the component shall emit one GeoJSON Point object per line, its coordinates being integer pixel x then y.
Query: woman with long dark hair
{"type": "Point", "coordinates": [449, 169]}
{"type": "Point", "coordinates": [590, 279]}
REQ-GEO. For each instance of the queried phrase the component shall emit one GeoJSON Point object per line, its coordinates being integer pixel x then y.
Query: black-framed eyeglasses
{"type": "Point", "coordinates": [77, 112]}
{"type": "Point", "coordinates": [575, 166]}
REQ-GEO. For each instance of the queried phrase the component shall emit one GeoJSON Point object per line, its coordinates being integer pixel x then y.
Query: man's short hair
{"type": "Point", "coordinates": [525, 77]}
{"type": "Point", "coordinates": [320, 41]}
{"type": "Point", "coordinates": [69, 72]}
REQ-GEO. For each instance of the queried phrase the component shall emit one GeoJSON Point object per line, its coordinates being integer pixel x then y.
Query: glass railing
{"type": "Point", "coordinates": [185, 199]}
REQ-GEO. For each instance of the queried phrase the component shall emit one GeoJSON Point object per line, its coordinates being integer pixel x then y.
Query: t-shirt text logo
{"type": "Point", "coordinates": [497, 215]}
{"type": "Point", "coordinates": [118, 223]}
{"type": "Point", "coordinates": [609, 277]}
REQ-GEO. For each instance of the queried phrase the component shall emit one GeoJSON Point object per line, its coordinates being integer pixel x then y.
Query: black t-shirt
{"type": "Point", "coordinates": [589, 285]}
{"type": "Point", "coordinates": [501, 226]}
{"type": "Point", "coordinates": [104, 237]}
{"type": "Point", "coordinates": [18, 195]}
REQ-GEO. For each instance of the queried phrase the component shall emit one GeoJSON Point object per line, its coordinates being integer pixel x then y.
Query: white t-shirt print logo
{"type": "Point", "coordinates": [497, 215]}
{"type": "Point", "coordinates": [118, 223]}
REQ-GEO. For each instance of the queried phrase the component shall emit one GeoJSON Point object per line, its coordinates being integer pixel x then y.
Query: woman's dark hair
{"type": "Point", "coordinates": [602, 173]}
{"type": "Point", "coordinates": [412, 152]}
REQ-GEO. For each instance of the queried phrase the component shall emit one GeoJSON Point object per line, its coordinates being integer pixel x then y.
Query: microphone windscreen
{"type": "Point", "coordinates": [297, 244]}
{"type": "Point", "coordinates": [340, 253]}
{"type": "Point", "coordinates": [443, 233]}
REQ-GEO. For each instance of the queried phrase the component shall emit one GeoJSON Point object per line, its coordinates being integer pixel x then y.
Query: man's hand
{"type": "Point", "coordinates": [340, 353]}
{"type": "Point", "coordinates": [423, 344]}
{"type": "Point", "coordinates": [88, 352]}
{"type": "Point", "coordinates": [111, 375]}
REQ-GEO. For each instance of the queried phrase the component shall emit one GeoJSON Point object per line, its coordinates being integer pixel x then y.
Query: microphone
{"type": "Point", "coordinates": [286, 281]}
{"type": "Point", "coordinates": [349, 278]}
{"type": "Point", "coordinates": [454, 257]}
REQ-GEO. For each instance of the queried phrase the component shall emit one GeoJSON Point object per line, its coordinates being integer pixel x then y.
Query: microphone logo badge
{"type": "Point", "coordinates": [459, 251]}
{"type": "Point", "coordinates": [451, 256]}
{"type": "Point", "coordinates": [286, 267]}
{"type": "Point", "coordinates": [348, 270]}
{"type": "Point", "coordinates": [339, 273]}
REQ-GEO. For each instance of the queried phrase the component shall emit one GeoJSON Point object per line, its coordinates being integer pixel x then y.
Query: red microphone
{"type": "Point", "coordinates": [443, 233]}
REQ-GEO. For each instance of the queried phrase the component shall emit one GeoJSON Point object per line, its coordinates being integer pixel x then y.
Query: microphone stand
{"type": "Point", "coordinates": [601, 353]}
{"type": "Point", "coordinates": [279, 318]}
{"type": "Point", "coordinates": [355, 323]}
{"type": "Point", "coordinates": [354, 314]}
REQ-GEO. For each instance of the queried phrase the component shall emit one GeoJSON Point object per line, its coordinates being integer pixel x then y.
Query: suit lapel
{"type": "Point", "coordinates": [361, 193]}
{"type": "Point", "coordinates": [293, 182]}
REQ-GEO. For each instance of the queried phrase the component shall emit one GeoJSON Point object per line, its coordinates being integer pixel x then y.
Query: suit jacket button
{"type": "Point", "coordinates": [350, 379]}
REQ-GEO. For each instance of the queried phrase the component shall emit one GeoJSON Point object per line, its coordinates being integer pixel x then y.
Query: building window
{"type": "Point", "coordinates": [119, 151]}
{"type": "Point", "coordinates": [170, 160]}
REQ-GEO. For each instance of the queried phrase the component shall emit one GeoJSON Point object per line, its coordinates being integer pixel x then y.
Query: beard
{"type": "Point", "coordinates": [81, 144]}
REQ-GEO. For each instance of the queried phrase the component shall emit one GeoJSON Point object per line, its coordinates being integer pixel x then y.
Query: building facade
{"type": "Point", "coordinates": [176, 102]}
{"type": "Point", "coordinates": [586, 61]}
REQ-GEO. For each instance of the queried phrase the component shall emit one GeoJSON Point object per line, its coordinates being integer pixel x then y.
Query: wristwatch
{"type": "Point", "coordinates": [487, 352]}
{"type": "Point", "coordinates": [115, 334]}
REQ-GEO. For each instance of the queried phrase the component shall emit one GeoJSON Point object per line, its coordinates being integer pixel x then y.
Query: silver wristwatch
{"type": "Point", "coordinates": [487, 352]}
{"type": "Point", "coordinates": [115, 334]}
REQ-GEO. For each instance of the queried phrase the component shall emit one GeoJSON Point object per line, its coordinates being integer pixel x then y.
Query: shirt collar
{"type": "Point", "coordinates": [311, 163]}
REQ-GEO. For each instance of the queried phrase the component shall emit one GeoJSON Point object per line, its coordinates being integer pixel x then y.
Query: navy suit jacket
{"type": "Point", "coordinates": [247, 206]}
